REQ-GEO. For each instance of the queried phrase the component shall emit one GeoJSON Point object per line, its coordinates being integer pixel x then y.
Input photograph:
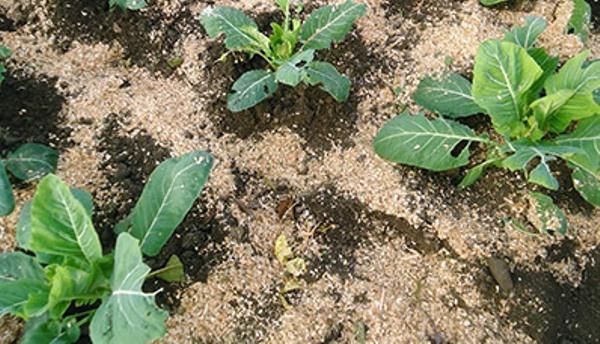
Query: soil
{"type": "Point", "coordinates": [421, 11]}
{"type": "Point", "coordinates": [552, 312]}
{"type": "Point", "coordinates": [6, 24]}
{"type": "Point", "coordinates": [30, 109]}
{"type": "Point", "coordinates": [128, 169]}
{"type": "Point", "coordinates": [595, 15]}
{"type": "Point", "coordinates": [347, 225]}
{"type": "Point", "coordinates": [392, 253]}
{"type": "Point", "coordinates": [148, 38]}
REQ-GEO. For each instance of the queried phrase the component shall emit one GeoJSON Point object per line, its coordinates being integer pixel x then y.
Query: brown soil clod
{"type": "Point", "coordinates": [285, 204]}
{"type": "Point", "coordinates": [6, 24]}
{"type": "Point", "coordinates": [501, 273]}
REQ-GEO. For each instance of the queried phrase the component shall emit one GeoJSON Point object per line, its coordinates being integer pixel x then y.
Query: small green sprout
{"type": "Point", "coordinates": [289, 50]}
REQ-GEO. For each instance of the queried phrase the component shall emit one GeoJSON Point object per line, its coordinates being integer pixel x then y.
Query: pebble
{"type": "Point", "coordinates": [501, 273]}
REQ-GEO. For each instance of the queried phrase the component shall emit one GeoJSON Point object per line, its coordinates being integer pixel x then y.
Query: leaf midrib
{"type": "Point", "coordinates": [247, 89]}
{"type": "Point", "coordinates": [324, 75]}
{"type": "Point", "coordinates": [163, 203]}
{"type": "Point", "coordinates": [326, 27]}
{"type": "Point", "coordinates": [509, 86]}
{"type": "Point", "coordinates": [451, 91]}
{"type": "Point", "coordinates": [529, 30]}
{"type": "Point", "coordinates": [428, 134]}
{"type": "Point", "coordinates": [230, 24]}
{"type": "Point", "coordinates": [79, 235]}
{"type": "Point", "coordinates": [40, 161]}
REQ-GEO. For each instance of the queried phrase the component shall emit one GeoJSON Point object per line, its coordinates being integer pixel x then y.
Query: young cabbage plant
{"type": "Point", "coordinates": [289, 50]}
{"type": "Point", "coordinates": [67, 281]}
{"type": "Point", "coordinates": [4, 54]}
{"type": "Point", "coordinates": [133, 5]}
{"type": "Point", "coordinates": [29, 162]}
{"type": "Point", "coordinates": [531, 105]}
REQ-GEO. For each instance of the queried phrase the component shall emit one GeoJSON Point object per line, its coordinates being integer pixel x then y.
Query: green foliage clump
{"type": "Point", "coordinates": [540, 115]}
{"type": "Point", "coordinates": [127, 4]}
{"type": "Point", "coordinates": [289, 50]}
{"type": "Point", "coordinates": [580, 21]}
{"type": "Point", "coordinates": [29, 162]}
{"type": "Point", "coordinates": [68, 281]}
{"type": "Point", "coordinates": [4, 54]}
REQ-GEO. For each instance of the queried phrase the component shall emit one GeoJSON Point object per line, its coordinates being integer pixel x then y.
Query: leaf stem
{"type": "Point", "coordinates": [86, 313]}
{"type": "Point", "coordinates": [286, 22]}
{"type": "Point", "coordinates": [265, 57]}
{"type": "Point", "coordinates": [86, 318]}
{"type": "Point", "coordinates": [481, 139]}
{"type": "Point", "coordinates": [157, 272]}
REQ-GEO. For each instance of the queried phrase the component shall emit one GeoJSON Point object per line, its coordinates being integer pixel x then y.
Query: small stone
{"type": "Point", "coordinates": [501, 273]}
{"type": "Point", "coordinates": [285, 203]}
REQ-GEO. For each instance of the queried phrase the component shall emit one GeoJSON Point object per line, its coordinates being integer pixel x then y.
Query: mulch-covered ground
{"type": "Point", "coordinates": [394, 254]}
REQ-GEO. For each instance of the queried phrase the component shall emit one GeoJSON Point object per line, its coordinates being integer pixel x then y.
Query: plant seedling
{"type": "Point", "coordinates": [531, 106]}
{"type": "Point", "coordinates": [289, 50]}
{"type": "Point", "coordinates": [68, 281]}
{"type": "Point", "coordinates": [4, 54]}
{"type": "Point", "coordinates": [29, 162]}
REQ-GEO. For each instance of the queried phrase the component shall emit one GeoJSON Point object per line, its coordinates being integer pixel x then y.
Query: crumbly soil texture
{"type": "Point", "coordinates": [393, 254]}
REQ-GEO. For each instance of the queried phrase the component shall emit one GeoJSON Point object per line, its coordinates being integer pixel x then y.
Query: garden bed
{"type": "Point", "coordinates": [394, 253]}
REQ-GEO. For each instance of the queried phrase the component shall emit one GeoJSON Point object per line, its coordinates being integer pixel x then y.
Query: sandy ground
{"type": "Point", "coordinates": [383, 280]}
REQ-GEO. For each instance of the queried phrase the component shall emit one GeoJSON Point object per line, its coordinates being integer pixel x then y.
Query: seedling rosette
{"type": "Point", "coordinates": [531, 106]}
{"type": "Point", "coordinates": [67, 281]}
{"type": "Point", "coordinates": [289, 50]}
